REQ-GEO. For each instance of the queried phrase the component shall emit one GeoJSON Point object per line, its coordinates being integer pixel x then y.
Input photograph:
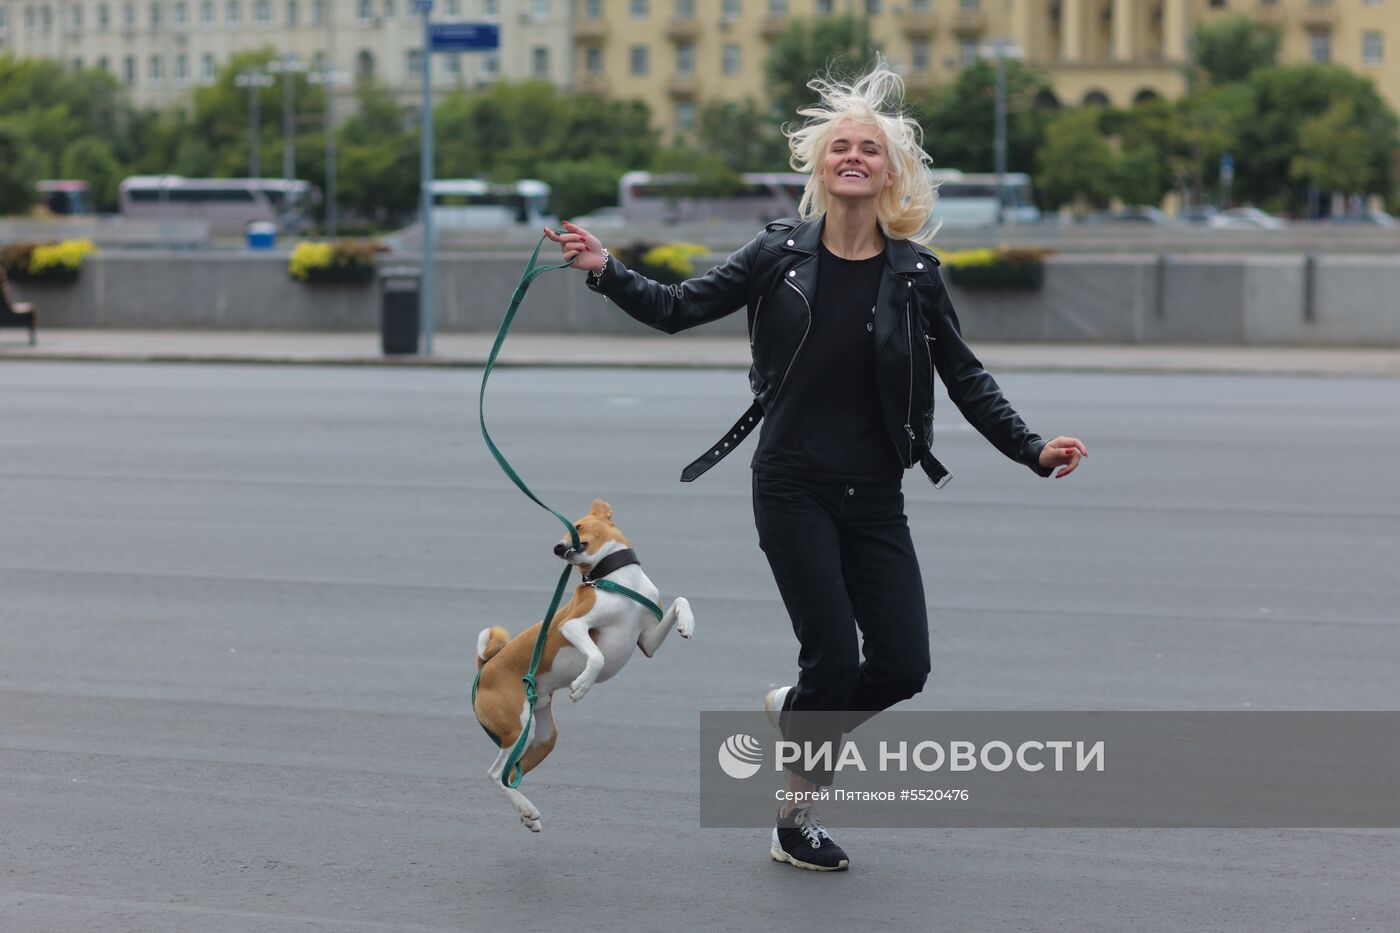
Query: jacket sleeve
{"type": "Point", "coordinates": [973, 389]}
{"type": "Point", "coordinates": [671, 308]}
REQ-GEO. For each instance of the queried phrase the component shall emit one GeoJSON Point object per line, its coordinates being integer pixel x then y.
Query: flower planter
{"type": "Point", "coordinates": [999, 275]}
{"type": "Point", "coordinates": [353, 275]}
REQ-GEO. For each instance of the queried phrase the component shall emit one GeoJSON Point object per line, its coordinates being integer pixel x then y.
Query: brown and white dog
{"type": "Point", "coordinates": [589, 641]}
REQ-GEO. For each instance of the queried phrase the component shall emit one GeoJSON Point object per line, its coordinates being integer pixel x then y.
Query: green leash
{"type": "Point", "coordinates": [513, 773]}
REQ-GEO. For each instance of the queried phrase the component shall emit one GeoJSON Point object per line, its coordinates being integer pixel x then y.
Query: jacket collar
{"type": "Point", "coordinates": [900, 255]}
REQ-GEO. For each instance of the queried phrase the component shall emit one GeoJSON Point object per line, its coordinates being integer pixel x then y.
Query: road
{"type": "Point", "coordinates": [238, 607]}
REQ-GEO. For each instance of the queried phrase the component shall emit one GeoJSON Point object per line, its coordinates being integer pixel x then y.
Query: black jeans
{"type": "Point", "coordinates": [847, 572]}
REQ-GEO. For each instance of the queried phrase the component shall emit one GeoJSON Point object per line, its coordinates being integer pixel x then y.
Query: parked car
{"type": "Point", "coordinates": [1136, 214]}
{"type": "Point", "coordinates": [1246, 218]}
{"type": "Point", "coordinates": [1368, 218]}
{"type": "Point", "coordinates": [1198, 214]}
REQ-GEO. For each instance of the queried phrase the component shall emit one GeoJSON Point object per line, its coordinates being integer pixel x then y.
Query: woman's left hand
{"type": "Point", "coordinates": [1063, 452]}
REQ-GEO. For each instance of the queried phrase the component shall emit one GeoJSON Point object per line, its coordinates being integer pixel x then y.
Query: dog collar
{"type": "Point", "coordinates": [610, 564]}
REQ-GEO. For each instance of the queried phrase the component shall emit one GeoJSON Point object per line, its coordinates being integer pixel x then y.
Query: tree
{"type": "Point", "coordinates": [836, 45]}
{"type": "Point", "coordinates": [378, 167]}
{"type": "Point", "coordinates": [91, 159]}
{"type": "Point", "coordinates": [1076, 162]}
{"type": "Point", "coordinates": [1332, 152]}
{"type": "Point", "coordinates": [1287, 97]}
{"type": "Point", "coordinates": [580, 186]}
{"type": "Point", "coordinates": [1233, 47]}
{"type": "Point", "coordinates": [959, 119]}
{"type": "Point", "coordinates": [19, 170]}
{"type": "Point", "coordinates": [1209, 127]}
{"type": "Point", "coordinates": [744, 135]}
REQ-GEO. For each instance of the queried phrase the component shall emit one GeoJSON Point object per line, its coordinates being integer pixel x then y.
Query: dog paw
{"type": "Point", "coordinates": [578, 688]}
{"type": "Point", "coordinates": [533, 825]}
{"type": "Point", "coordinates": [685, 619]}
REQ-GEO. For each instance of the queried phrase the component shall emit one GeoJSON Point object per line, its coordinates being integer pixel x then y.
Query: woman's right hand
{"type": "Point", "coordinates": [579, 246]}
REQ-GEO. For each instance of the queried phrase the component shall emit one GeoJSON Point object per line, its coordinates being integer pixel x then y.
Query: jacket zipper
{"type": "Point", "coordinates": [783, 381]}
{"type": "Point", "coordinates": [754, 330]}
{"type": "Point", "coordinates": [909, 409]}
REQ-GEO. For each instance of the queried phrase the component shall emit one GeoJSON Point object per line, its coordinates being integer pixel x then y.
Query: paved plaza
{"type": "Point", "coordinates": [239, 605]}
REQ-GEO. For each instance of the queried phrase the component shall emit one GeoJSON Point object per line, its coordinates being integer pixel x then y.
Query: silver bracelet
{"type": "Point", "coordinates": [597, 275]}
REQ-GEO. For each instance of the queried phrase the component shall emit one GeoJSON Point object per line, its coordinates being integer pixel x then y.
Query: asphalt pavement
{"type": "Point", "coordinates": [239, 604]}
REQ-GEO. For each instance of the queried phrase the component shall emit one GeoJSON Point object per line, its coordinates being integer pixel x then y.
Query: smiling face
{"type": "Point", "coordinates": [856, 164]}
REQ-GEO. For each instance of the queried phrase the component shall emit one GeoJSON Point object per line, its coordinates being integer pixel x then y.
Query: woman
{"type": "Point", "coordinates": [848, 320]}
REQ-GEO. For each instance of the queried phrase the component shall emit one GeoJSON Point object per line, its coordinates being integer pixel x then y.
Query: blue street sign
{"type": "Point", "coordinates": [465, 37]}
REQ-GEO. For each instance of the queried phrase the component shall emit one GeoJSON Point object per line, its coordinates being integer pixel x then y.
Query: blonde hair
{"type": "Point", "coordinates": [877, 99]}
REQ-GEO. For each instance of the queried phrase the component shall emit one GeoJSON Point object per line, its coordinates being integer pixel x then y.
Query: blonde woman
{"type": "Point", "coordinates": [849, 320]}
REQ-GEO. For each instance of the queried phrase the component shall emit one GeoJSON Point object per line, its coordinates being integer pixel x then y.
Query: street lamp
{"type": "Point", "coordinates": [254, 81]}
{"type": "Point", "coordinates": [329, 79]}
{"type": "Point", "coordinates": [288, 66]}
{"type": "Point", "coordinates": [1001, 49]}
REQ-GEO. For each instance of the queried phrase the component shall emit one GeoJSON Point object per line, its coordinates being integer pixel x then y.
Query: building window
{"type": "Point", "coordinates": [491, 8]}
{"type": "Point", "coordinates": [104, 17]}
{"type": "Point", "coordinates": [262, 12]}
{"type": "Point", "coordinates": [415, 62]}
{"type": "Point", "coordinates": [540, 9]}
{"type": "Point", "coordinates": [102, 63]}
{"type": "Point", "coordinates": [207, 16]}
{"type": "Point", "coordinates": [153, 70]}
{"type": "Point", "coordinates": [593, 9]}
{"type": "Point", "coordinates": [4, 17]}
{"type": "Point", "coordinates": [129, 16]}
{"type": "Point", "coordinates": [182, 68]}
{"type": "Point", "coordinates": [1320, 45]}
{"type": "Point", "coordinates": [29, 19]}
{"type": "Point", "coordinates": [182, 15]}
{"type": "Point", "coordinates": [46, 19]}
{"type": "Point", "coordinates": [155, 15]}
{"type": "Point", "coordinates": [364, 63]}
{"type": "Point", "coordinates": [233, 12]}
{"type": "Point", "coordinates": [78, 63]}
{"type": "Point", "coordinates": [454, 10]}
{"type": "Point", "coordinates": [919, 6]}
{"type": "Point", "coordinates": [639, 59]}
{"type": "Point", "coordinates": [872, 7]}
{"type": "Point", "coordinates": [129, 70]}
{"type": "Point", "coordinates": [967, 52]}
{"type": "Point", "coordinates": [75, 18]}
{"type": "Point", "coordinates": [293, 14]}
{"type": "Point", "coordinates": [390, 10]}
{"type": "Point", "coordinates": [491, 64]}
{"type": "Point", "coordinates": [685, 116]}
{"type": "Point", "coordinates": [639, 9]}
{"type": "Point", "coordinates": [366, 11]}
{"type": "Point", "coordinates": [539, 61]}
{"type": "Point", "coordinates": [824, 8]}
{"type": "Point", "coordinates": [919, 55]}
{"type": "Point", "coordinates": [731, 61]}
{"type": "Point", "coordinates": [1372, 48]}
{"type": "Point", "coordinates": [732, 9]}
{"type": "Point", "coordinates": [206, 67]}
{"type": "Point", "coordinates": [454, 64]}
{"type": "Point", "coordinates": [685, 59]}
{"type": "Point", "coordinates": [777, 9]}
{"type": "Point", "coordinates": [593, 60]}
{"type": "Point", "coordinates": [1217, 4]}
{"type": "Point", "coordinates": [685, 9]}
{"type": "Point", "coordinates": [318, 12]}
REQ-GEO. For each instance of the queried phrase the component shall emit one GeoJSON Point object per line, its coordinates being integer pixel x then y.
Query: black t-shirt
{"type": "Point", "coordinates": [825, 423]}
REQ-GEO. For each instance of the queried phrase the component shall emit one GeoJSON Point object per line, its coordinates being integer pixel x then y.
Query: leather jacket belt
{"type": "Point", "coordinates": [937, 473]}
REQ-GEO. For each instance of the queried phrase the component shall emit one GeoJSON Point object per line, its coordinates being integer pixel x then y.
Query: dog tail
{"type": "Point", "coordinates": [489, 642]}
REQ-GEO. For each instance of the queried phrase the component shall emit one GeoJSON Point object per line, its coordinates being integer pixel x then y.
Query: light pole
{"type": "Point", "coordinates": [254, 81]}
{"type": "Point", "coordinates": [1001, 50]}
{"type": "Point", "coordinates": [425, 294]}
{"type": "Point", "coordinates": [328, 79]}
{"type": "Point", "coordinates": [288, 66]}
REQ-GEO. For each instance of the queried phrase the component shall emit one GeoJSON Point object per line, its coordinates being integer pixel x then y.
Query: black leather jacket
{"type": "Point", "coordinates": [916, 334]}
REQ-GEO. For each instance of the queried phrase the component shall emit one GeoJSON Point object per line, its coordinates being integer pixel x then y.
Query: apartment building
{"type": "Point", "coordinates": [676, 54]}
{"type": "Point", "coordinates": [163, 48]}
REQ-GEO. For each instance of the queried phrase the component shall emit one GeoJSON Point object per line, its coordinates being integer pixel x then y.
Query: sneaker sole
{"type": "Point", "coordinates": [773, 711]}
{"type": "Point", "coordinates": [780, 856]}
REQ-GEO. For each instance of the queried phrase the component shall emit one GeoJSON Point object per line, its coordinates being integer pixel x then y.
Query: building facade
{"type": "Point", "coordinates": [161, 49]}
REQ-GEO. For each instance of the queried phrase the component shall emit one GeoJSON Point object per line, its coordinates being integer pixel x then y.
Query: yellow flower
{"type": "Point", "coordinates": [67, 255]}
{"type": "Point", "coordinates": [308, 256]}
{"type": "Point", "coordinates": [675, 256]}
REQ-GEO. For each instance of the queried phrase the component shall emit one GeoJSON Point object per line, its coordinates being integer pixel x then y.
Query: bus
{"type": "Point", "coordinates": [228, 204]}
{"type": "Point", "coordinates": [64, 197]}
{"type": "Point", "coordinates": [762, 196]}
{"type": "Point", "coordinates": [469, 203]}
{"type": "Point", "coordinates": [970, 200]}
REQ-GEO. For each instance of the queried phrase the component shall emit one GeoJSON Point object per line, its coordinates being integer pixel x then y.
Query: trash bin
{"type": "Point", "coordinates": [398, 310]}
{"type": "Point", "coordinates": [262, 234]}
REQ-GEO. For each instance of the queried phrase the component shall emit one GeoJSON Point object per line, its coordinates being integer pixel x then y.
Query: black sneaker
{"type": "Point", "coordinates": [801, 841]}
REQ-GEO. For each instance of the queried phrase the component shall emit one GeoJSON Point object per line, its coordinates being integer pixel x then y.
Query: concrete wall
{"type": "Point", "coordinates": [1110, 298]}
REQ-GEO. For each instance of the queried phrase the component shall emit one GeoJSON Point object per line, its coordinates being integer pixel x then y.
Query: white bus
{"type": "Point", "coordinates": [228, 204]}
{"type": "Point", "coordinates": [762, 196]}
{"type": "Point", "coordinates": [461, 203]}
{"type": "Point", "coordinates": [970, 200]}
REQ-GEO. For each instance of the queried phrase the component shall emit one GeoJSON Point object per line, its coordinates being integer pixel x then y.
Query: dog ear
{"type": "Point", "coordinates": [602, 509]}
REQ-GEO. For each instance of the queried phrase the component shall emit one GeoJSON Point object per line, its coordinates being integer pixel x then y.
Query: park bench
{"type": "Point", "coordinates": [16, 313]}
